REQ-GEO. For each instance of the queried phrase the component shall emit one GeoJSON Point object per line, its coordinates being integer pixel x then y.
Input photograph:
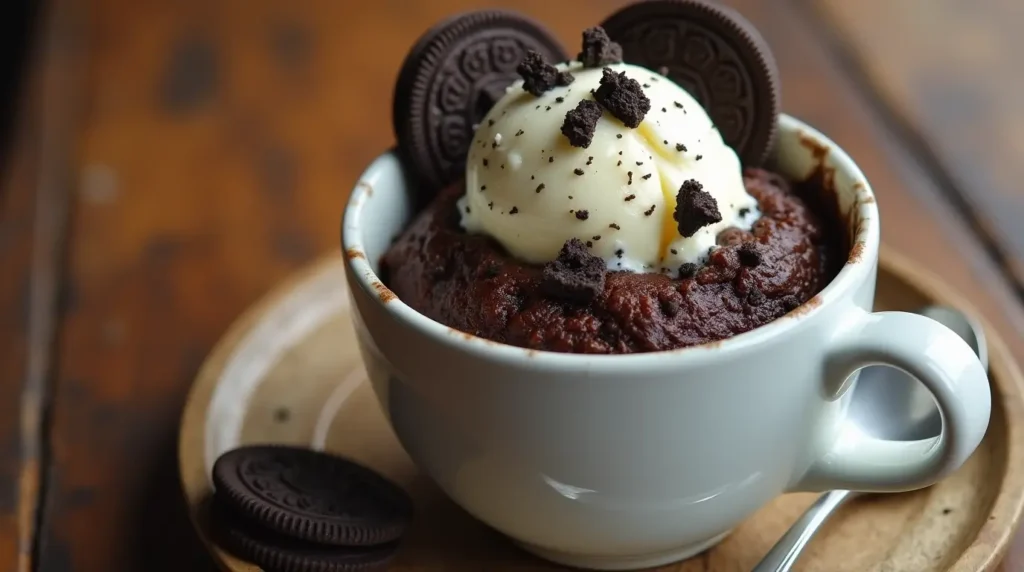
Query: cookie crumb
{"type": "Point", "coordinates": [688, 270]}
{"type": "Point", "coordinates": [695, 208]}
{"type": "Point", "coordinates": [650, 211]}
{"type": "Point", "coordinates": [623, 98]}
{"type": "Point", "coordinates": [614, 226]}
{"type": "Point", "coordinates": [582, 214]}
{"type": "Point", "coordinates": [540, 187]}
{"type": "Point", "coordinates": [576, 275]}
{"type": "Point", "coordinates": [681, 148]}
{"type": "Point", "coordinates": [598, 49]}
{"type": "Point", "coordinates": [513, 211]}
{"type": "Point", "coordinates": [579, 172]}
{"type": "Point", "coordinates": [538, 75]}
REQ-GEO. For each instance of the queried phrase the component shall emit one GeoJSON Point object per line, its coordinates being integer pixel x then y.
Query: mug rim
{"type": "Point", "coordinates": [866, 239]}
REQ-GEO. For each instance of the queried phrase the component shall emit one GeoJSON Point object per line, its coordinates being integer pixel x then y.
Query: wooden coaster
{"type": "Point", "coordinates": [289, 372]}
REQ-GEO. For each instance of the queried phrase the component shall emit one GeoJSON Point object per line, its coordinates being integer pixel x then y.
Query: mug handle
{"type": "Point", "coordinates": [948, 368]}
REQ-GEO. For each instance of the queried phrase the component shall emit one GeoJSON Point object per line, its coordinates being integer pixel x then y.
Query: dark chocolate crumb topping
{"type": "Point", "coordinates": [578, 171]}
{"type": "Point", "coordinates": [576, 275]}
{"type": "Point", "coordinates": [630, 197]}
{"type": "Point", "coordinates": [520, 132]}
{"type": "Point", "coordinates": [744, 212]}
{"type": "Point", "coordinates": [540, 187]}
{"type": "Point", "coordinates": [623, 98]}
{"type": "Point", "coordinates": [698, 157]}
{"type": "Point", "coordinates": [513, 211]}
{"type": "Point", "coordinates": [680, 147]}
{"type": "Point", "coordinates": [650, 211]}
{"type": "Point", "coordinates": [615, 226]}
{"type": "Point", "coordinates": [540, 76]}
{"type": "Point", "coordinates": [688, 270]}
{"type": "Point", "coordinates": [581, 123]}
{"type": "Point", "coordinates": [647, 176]}
{"type": "Point", "coordinates": [790, 302]}
{"type": "Point", "coordinates": [749, 254]}
{"type": "Point", "coordinates": [695, 208]}
{"type": "Point", "coordinates": [598, 49]}
{"type": "Point", "coordinates": [582, 214]}
{"type": "Point", "coordinates": [755, 297]}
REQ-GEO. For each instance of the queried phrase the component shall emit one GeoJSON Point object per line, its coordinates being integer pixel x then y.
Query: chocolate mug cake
{"type": "Point", "coordinates": [612, 203]}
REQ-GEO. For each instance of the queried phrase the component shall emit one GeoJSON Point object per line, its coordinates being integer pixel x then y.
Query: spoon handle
{"type": "Point", "coordinates": [783, 555]}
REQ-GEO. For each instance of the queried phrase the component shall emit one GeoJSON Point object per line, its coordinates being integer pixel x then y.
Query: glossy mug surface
{"type": "Point", "coordinates": [625, 461]}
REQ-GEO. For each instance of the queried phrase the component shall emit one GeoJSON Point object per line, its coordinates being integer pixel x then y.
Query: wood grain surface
{"type": "Point", "coordinates": [947, 72]}
{"type": "Point", "coordinates": [213, 143]}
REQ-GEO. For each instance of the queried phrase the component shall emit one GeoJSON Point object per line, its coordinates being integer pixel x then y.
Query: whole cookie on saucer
{"type": "Point", "coordinates": [450, 79]}
{"type": "Point", "coordinates": [715, 54]}
{"type": "Point", "coordinates": [274, 553]}
{"type": "Point", "coordinates": [311, 496]}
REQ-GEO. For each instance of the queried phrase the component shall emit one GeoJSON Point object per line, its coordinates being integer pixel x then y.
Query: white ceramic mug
{"type": "Point", "coordinates": [624, 461]}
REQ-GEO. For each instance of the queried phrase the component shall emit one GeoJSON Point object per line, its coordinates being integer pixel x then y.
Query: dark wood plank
{"type": "Point", "coordinates": [217, 147]}
{"type": "Point", "coordinates": [33, 225]}
{"type": "Point", "coordinates": [949, 74]}
{"type": "Point", "coordinates": [16, 245]}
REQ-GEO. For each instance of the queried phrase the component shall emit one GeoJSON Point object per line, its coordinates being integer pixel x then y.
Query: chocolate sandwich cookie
{"type": "Point", "coordinates": [311, 496]}
{"type": "Point", "coordinates": [276, 553]}
{"type": "Point", "coordinates": [451, 78]}
{"type": "Point", "coordinates": [716, 55]}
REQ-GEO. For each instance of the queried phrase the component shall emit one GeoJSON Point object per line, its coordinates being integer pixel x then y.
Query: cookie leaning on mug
{"type": "Point", "coordinates": [450, 79]}
{"type": "Point", "coordinates": [717, 55]}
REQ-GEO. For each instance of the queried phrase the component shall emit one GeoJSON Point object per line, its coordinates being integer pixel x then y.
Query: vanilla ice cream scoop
{"type": "Point", "coordinates": [531, 190]}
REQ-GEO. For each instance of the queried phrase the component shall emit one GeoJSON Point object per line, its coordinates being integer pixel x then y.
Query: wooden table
{"type": "Point", "coordinates": [176, 158]}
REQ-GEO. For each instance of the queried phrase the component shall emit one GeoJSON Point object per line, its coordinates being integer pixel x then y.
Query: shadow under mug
{"type": "Point", "coordinates": [625, 461]}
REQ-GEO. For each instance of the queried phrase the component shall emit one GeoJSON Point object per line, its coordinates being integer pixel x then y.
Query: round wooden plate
{"type": "Point", "coordinates": [289, 372]}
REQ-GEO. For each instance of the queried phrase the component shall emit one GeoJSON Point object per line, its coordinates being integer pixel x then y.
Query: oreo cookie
{"type": "Point", "coordinates": [450, 79]}
{"type": "Point", "coordinates": [715, 54]}
{"type": "Point", "coordinates": [311, 496]}
{"type": "Point", "coordinates": [275, 553]}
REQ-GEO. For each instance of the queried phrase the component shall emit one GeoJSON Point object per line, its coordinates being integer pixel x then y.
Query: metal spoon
{"type": "Point", "coordinates": [886, 403]}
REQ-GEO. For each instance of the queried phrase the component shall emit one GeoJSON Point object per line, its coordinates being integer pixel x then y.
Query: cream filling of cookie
{"type": "Point", "coordinates": [530, 190]}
